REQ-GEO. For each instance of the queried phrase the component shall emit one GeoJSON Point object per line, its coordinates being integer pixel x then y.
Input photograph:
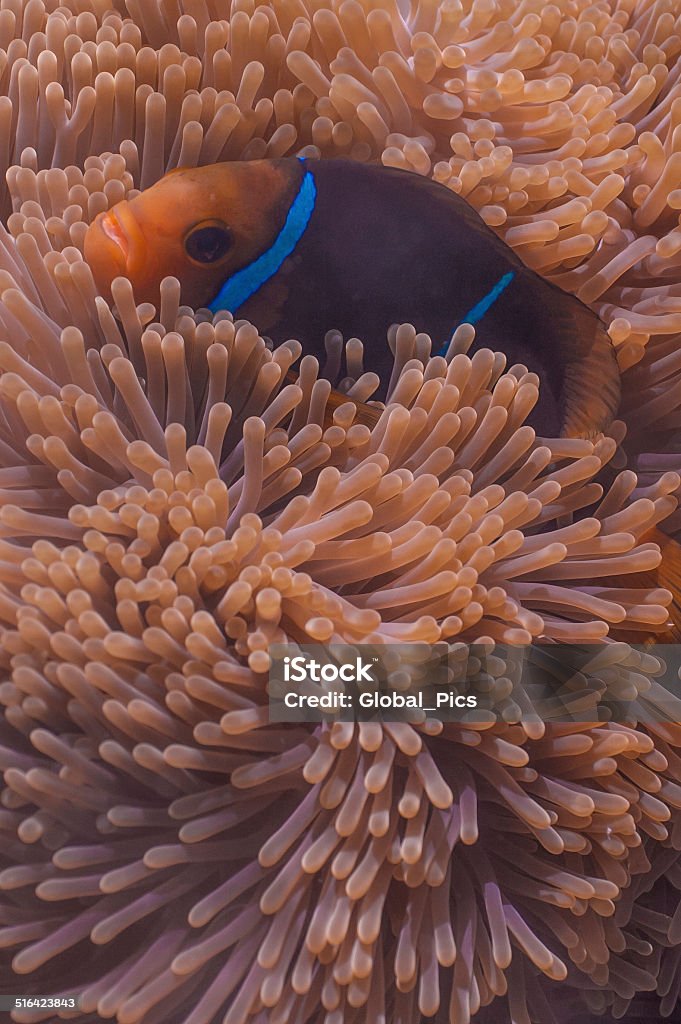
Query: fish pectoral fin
{"type": "Point", "coordinates": [591, 385]}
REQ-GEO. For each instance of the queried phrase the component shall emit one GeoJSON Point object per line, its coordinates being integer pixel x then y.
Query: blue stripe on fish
{"type": "Point", "coordinates": [238, 288]}
{"type": "Point", "coordinates": [484, 306]}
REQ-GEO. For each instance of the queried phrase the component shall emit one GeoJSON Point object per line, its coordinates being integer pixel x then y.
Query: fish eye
{"type": "Point", "coordinates": [208, 242]}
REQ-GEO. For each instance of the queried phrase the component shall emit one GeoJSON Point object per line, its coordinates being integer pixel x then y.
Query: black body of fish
{"type": "Point", "coordinates": [386, 246]}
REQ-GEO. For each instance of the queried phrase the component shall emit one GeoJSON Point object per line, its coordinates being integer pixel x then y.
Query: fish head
{"type": "Point", "coordinates": [198, 224]}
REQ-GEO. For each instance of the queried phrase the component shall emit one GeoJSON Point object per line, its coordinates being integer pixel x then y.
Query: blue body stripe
{"type": "Point", "coordinates": [238, 288]}
{"type": "Point", "coordinates": [484, 306]}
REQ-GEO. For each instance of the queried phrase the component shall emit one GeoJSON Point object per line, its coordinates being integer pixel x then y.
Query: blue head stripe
{"type": "Point", "coordinates": [484, 306]}
{"type": "Point", "coordinates": [245, 282]}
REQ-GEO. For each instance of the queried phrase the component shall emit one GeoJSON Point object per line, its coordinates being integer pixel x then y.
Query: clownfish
{"type": "Point", "coordinates": [301, 246]}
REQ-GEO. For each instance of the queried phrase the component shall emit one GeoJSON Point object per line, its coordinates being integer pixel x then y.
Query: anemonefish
{"type": "Point", "coordinates": [303, 246]}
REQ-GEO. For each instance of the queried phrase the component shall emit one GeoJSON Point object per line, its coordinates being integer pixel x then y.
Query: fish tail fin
{"type": "Point", "coordinates": [592, 386]}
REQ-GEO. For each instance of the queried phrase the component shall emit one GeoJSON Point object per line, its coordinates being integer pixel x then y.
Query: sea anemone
{"type": "Point", "coordinates": [173, 504]}
{"type": "Point", "coordinates": [193, 522]}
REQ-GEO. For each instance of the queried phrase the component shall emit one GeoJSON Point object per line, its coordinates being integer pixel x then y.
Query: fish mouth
{"type": "Point", "coordinates": [111, 227]}
{"type": "Point", "coordinates": [121, 239]}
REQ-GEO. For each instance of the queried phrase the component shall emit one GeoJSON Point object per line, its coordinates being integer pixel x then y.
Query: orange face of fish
{"type": "Point", "coordinates": [197, 224]}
